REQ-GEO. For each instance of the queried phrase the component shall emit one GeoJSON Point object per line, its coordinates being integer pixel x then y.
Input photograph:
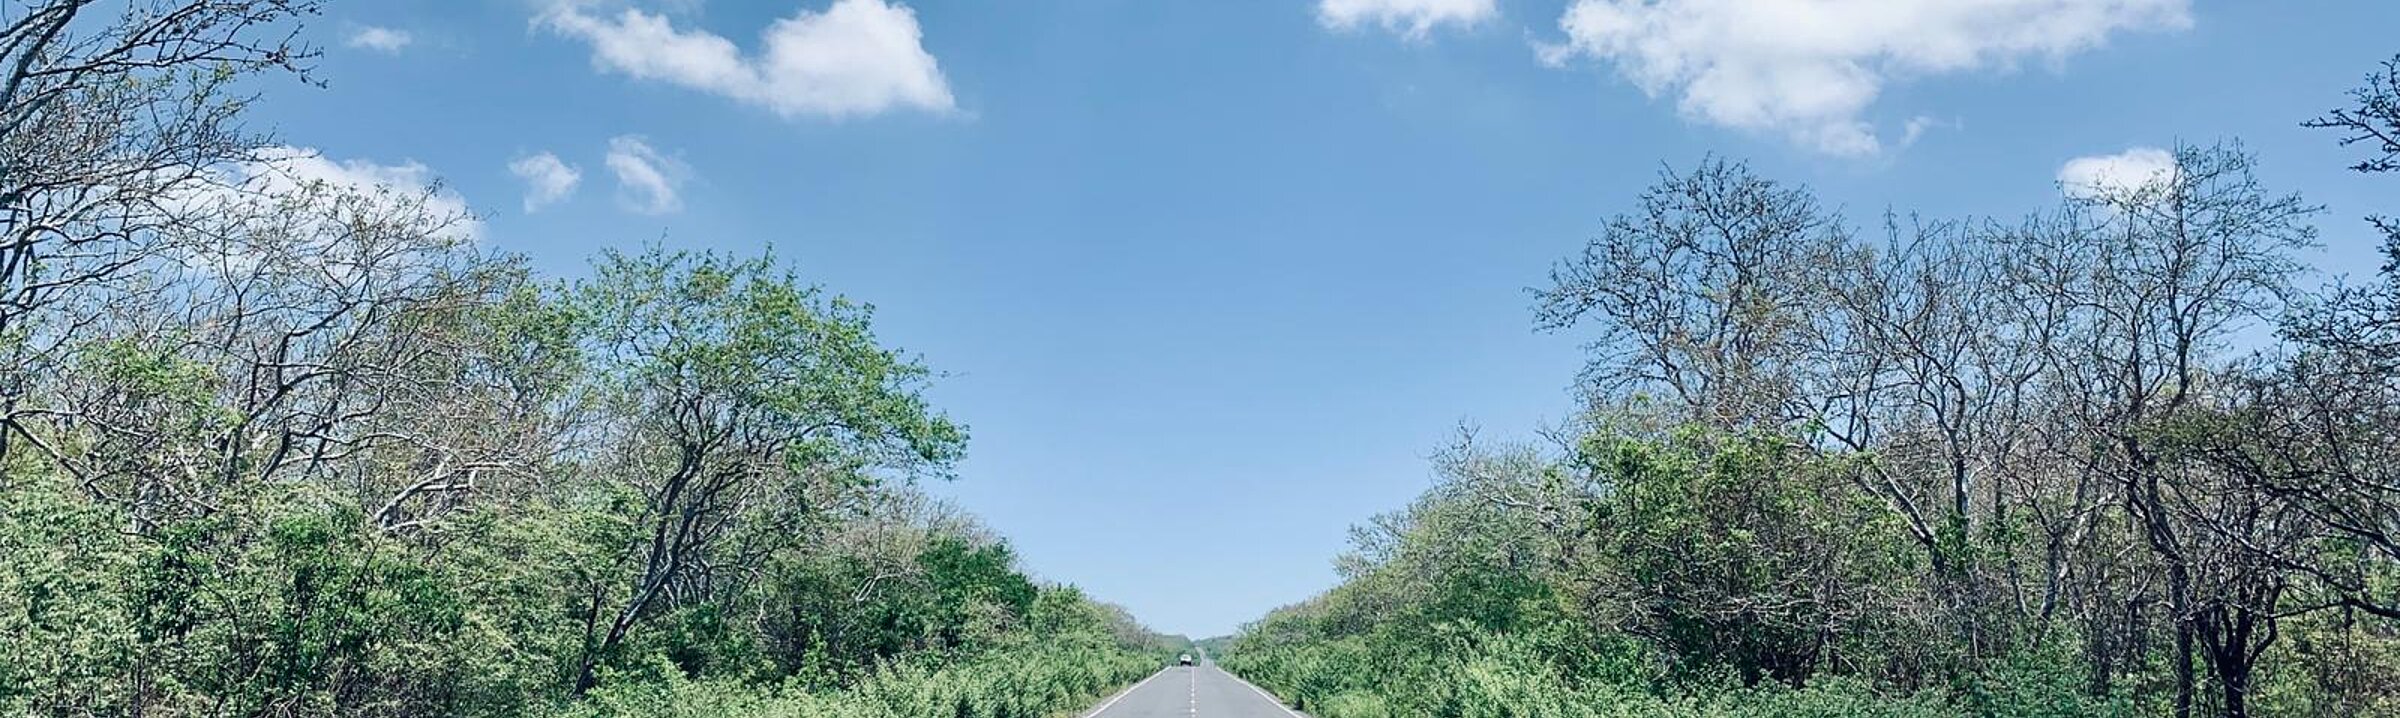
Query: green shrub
{"type": "Point", "coordinates": [1029, 680]}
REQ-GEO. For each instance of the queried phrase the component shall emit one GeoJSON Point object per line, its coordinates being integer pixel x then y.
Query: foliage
{"type": "Point", "coordinates": [1031, 676]}
{"type": "Point", "coordinates": [1975, 468]}
{"type": "Point", "coordinates": [272, 447]}
{"type": "Point", "coordinates": [282, 447]}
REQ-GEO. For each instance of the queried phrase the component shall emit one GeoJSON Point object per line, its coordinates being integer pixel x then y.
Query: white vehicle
{"type": "Point", "coordinates": [1187, 659]}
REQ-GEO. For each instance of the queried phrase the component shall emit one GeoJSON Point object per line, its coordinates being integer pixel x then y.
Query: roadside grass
{"type": "Point", "coordinates": [1033, 681]}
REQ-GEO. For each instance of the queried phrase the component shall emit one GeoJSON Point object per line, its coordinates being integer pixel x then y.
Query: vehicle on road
{"type": "Point", "coordinates": [1187, 659]}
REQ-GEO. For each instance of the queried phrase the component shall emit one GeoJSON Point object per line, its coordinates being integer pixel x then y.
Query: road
{"type": "Point", "coordinates": [1202, 691]}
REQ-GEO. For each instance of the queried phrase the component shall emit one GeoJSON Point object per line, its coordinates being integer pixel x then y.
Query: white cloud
{"type": "Point", "coordinates": [647, 182]}
{"type": "Point", "coordinates": [1413, 19]}
{"type": "Point", "coordinates": [1917, 126]}
{"type": "Point", "coordinates": [381, 39]}
{"type": "Point", "coordinates": [278, 173]}
{"type": "Point", "coordinates": [856, 58]}
{"type": "Point", "coordinates": [2104, 175]}
{"type": "Point", "coordinates": [297, 195]}
{"type": "Point", "coordinates": [1808, 69]}
{"type": "Point", "coordinates": [547, 179]}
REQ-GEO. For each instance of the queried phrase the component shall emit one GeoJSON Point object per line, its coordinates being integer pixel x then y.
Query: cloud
{"type": "Point", "coordinates": [279, 170]}
{"type": "Point", "coordinates": [380, 39]}
{"type": "Point", "coordinates": [2105, 175]}
{"type": "Point", "coordinates": [1916, 128]}
{"type": "Point", "coordinates": [1413, 19]}
{"type": "Point", "coordinates": [1808, 69]}
{"type": "Point", "coordinates": [278, 173]}
{"type": "Point", "coordinates": [856, 58]}
{"type": "Point", "coordinates": [547, 179]}
{"type": "Point", "coordinates": [297, 195]}
{"type": "Point", "coordinates": [647, 182]}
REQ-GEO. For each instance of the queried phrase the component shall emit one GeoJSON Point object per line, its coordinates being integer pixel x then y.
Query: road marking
{"type": "Point", "coordinates": [1123, 693]}
{"type": "Point", "coordinates": [1262, 693]}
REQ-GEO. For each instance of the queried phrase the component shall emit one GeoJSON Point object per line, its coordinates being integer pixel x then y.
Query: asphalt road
{"type": "Point", "coordinates": [1202, 691]}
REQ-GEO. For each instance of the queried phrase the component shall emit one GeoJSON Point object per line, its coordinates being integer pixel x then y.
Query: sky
{"type": "Point", "coordinates": [1208, 281]}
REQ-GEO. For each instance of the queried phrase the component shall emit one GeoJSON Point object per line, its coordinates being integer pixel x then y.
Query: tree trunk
{"type": "Point", "coordinates": [2183, 663]}
{"type": "Point", "coordinates": [2237, 691]}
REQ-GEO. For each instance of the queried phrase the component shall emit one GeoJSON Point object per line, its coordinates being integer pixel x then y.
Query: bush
{"type": "Point", "coordinates": [1032, 680]}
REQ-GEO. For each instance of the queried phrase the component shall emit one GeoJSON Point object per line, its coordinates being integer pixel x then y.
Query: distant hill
{"type": "Point", "coordinates": [1213, 646]}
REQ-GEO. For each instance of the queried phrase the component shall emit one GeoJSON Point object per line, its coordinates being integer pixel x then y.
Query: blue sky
{"type": "Point", "coordinates": [1212, 278]}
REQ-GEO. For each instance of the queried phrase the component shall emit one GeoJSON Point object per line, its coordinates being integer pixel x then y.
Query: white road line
{"type": "Point", "coordinates": [1123, 693]}
{"type": "Point", "coordinates": [1262, 693]}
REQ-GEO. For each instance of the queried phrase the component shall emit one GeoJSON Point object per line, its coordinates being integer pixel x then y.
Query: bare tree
{"type": "Point", "coordinates": [2373, 120]}
{"type": "Point", "coordinates": [2332, 418]}
{"type": "Point", "coordinates": [1702, 294]}
{"type": "Point", "coordinates": [2170, 270]}
{"type": "Point", "coordinates": [110, 113]}
{"type": "Point", "coordinates": [1930, 367]}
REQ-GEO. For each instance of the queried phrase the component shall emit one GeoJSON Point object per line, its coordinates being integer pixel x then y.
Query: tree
{"type": "Point", "coordinates": [2172, 267]}
{"type": "Point", "coordinates": [325, 334]}
{"type": "Point", "coordinates": [2373, 120]}
{"type": "Point", "coordinates": [2325, 416]}
{"type": "Point", "coordinates": [1702, 295]}
{"type": "Point", "coordinates": [1743, 552]}
{"type": "Point", "coordinates": [1927, 369]}
{"type": "Point", "coordinates": [735, 402]}
{"type": "Point", "coordinates": [2235, 537]}
{"type": "Point", "coordinates": [112, 115]}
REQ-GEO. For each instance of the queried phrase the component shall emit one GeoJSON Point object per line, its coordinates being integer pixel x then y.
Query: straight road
{"type": "Point", "coordinates": [1201, 691]}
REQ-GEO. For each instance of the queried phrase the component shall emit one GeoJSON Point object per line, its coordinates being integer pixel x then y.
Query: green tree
{"type": "Point", "coordinates": [736, 402]}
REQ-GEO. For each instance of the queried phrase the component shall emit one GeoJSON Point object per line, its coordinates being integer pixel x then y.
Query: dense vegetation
{"type": "Point", "coordinates": [276, 446]}
{"type": "Point", "coordinates": [271, 445]}
{"type": "Point", "coordinates": [2110, 459]}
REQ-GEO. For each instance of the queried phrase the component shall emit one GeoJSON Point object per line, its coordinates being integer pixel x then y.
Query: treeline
{"type": "Point", "coordinates": [272, 445]}
{"type": "Point", "coordinates": [2110, 459]}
